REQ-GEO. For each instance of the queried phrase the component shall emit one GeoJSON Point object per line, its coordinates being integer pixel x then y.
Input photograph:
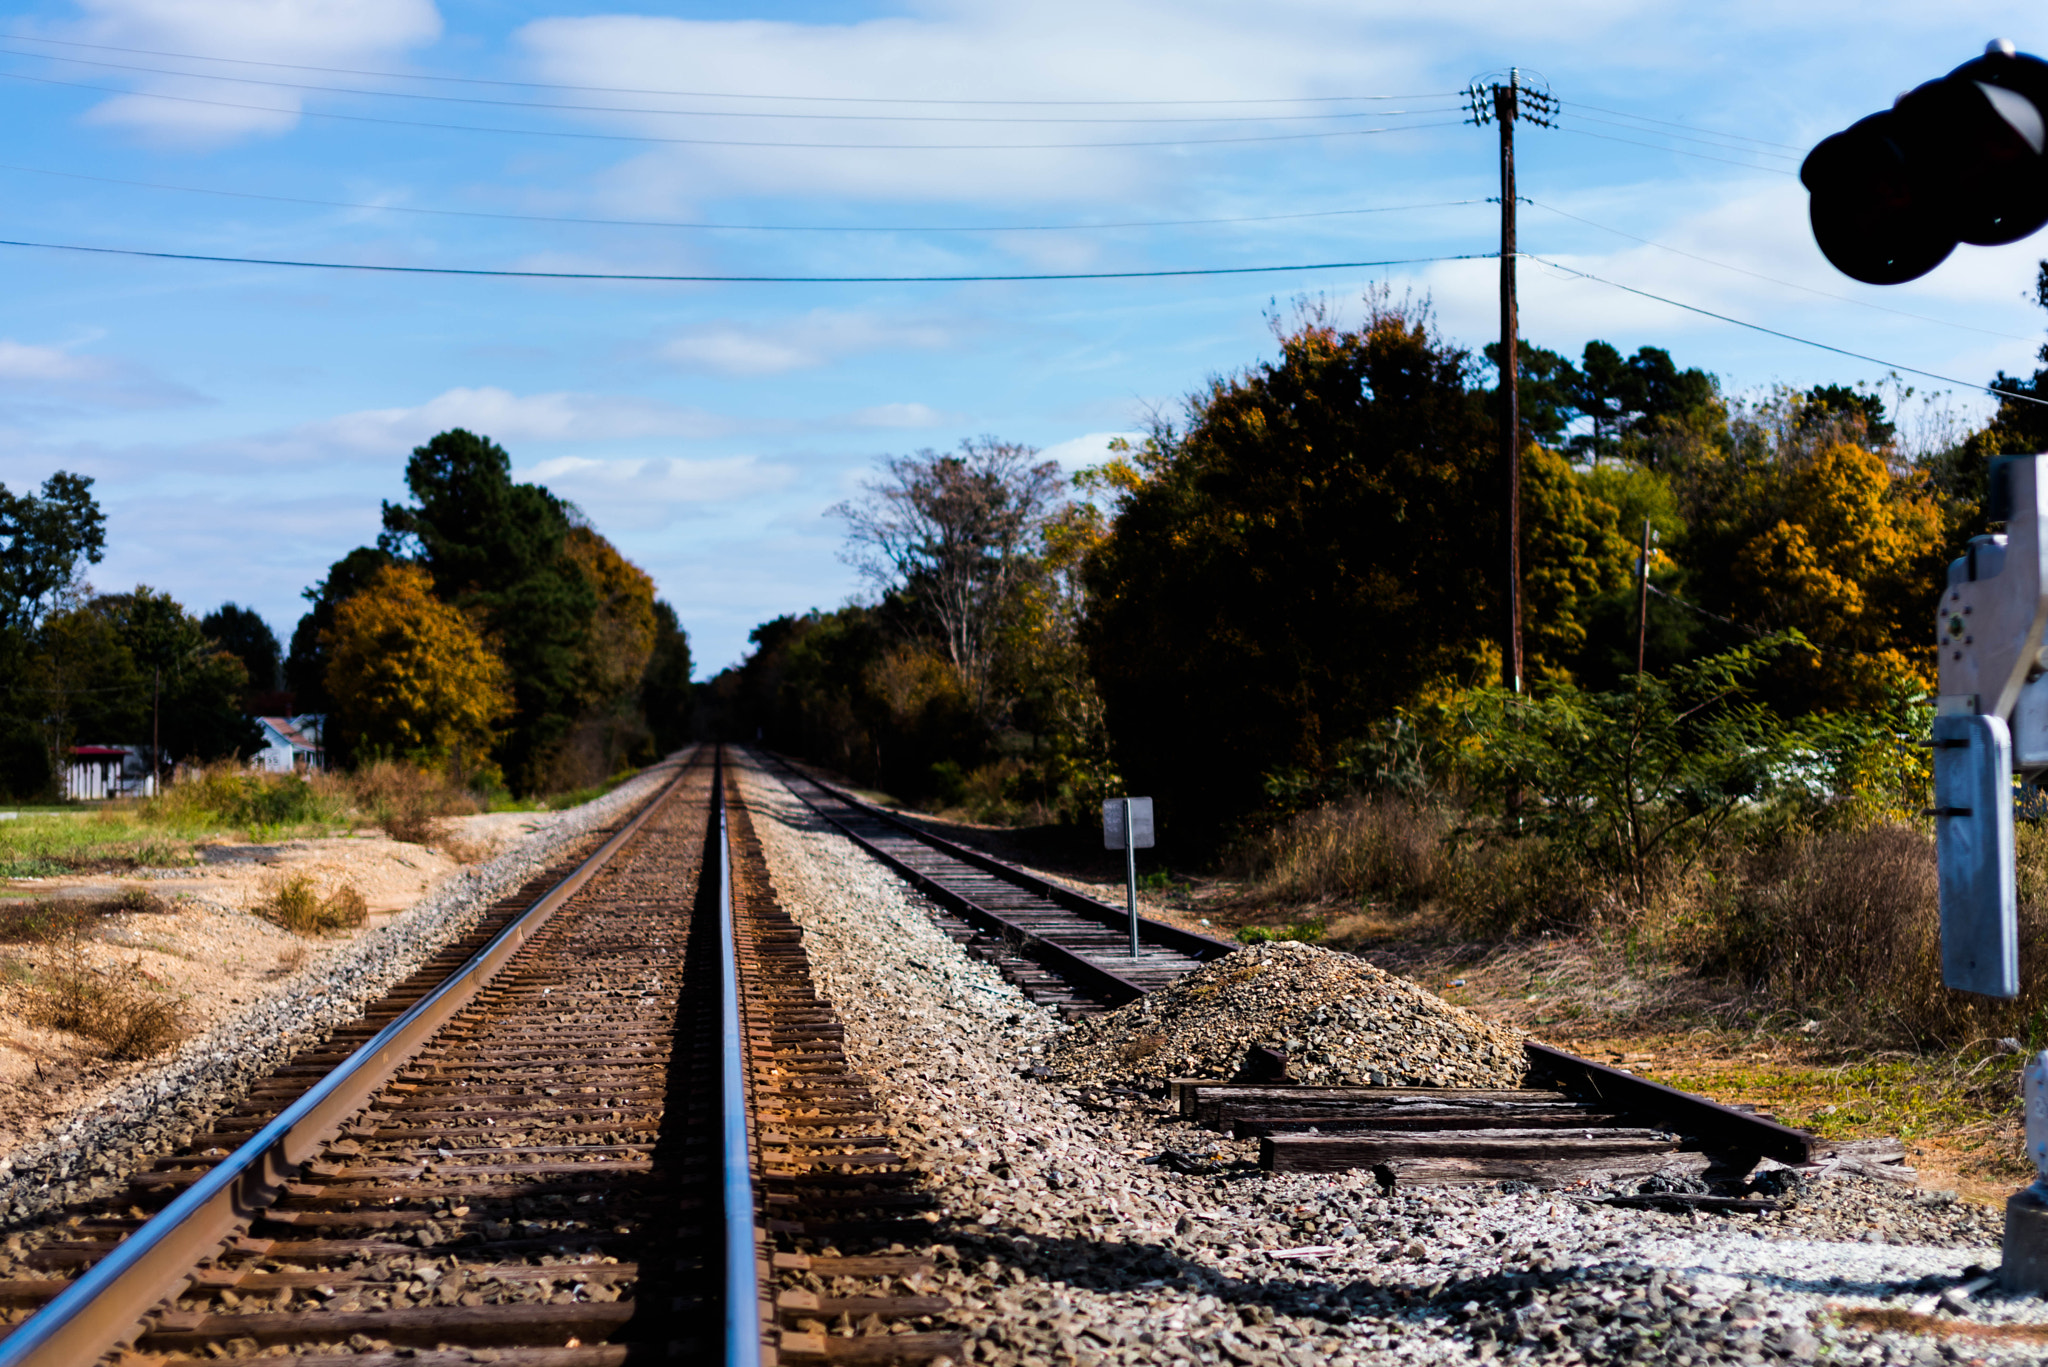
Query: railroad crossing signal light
{"type": "Point", "coordinates": [1961, 159]}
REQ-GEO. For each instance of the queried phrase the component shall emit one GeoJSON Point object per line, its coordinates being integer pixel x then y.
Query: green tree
{"type": "Point", "coordinates": [195, 688]}
{"type": "Point", "coordinates": [1294, 565]}
{"type": "Point", "coordinates": [45, 542]}
{"type": "Point", "coordinates": [666, 694]}
{"type": "Point", "coordinates": [498, 548]}
{"type": "Point", "coordinates": [243, 633]}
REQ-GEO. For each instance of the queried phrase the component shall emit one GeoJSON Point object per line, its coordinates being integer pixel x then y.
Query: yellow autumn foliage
{"type": "Point", "coordinates": [621, 635]}
{"type": "Point", "coordinates": [410, 675]}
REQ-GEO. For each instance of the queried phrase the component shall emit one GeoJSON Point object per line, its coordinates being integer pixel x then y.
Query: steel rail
{"type": "Point", "coordinates": [1106, 983]}
{"type": "Point", "coordinates": [96, 1312]}
{"type": "Point", "coordinates": [1192, 943]}
{"type": "Point", "coordinates": [742, 1276]}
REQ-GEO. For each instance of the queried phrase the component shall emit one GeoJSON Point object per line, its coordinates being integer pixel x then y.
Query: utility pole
{"type": "Point", "coordinates": [1503, 104]}
{"type": "Point", "coordinates": [1643, 605]}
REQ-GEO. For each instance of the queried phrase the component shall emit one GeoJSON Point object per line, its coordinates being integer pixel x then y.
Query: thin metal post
{"type": "Point", "coordinates": [1131, 874]}
{"type": "Point", "coordinates": [1505, 108]}
{"type": "Point", "coordinates": [742, 1293]}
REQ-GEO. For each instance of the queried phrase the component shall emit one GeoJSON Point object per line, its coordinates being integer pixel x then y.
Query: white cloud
{"type": "Point", "coordinates": [897, 415]}
{"type": "Point", "coordinates": [307, 32]}
{"type": "Point", "coordinates": [36, 378]}
{"type": "Point", "coordinates": [1078, 453]}
{"type": "Point", "coordinates": [1062, 49]}
{"type": "Point", "coordinates": [508, 418]}
{"type": "Point", "coordinates": [732, 347]}
{"type": "Point", "coordinates": [660, 479]}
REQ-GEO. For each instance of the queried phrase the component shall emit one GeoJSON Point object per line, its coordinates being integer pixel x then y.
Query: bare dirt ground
{"type": "Point", "coordinates": [1597, 999]}
{"type": "Point", "coordinates": [201, 947]}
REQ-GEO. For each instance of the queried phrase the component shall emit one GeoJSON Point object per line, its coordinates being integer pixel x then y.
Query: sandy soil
{"type": "Point", "coordinates": [202, 947]}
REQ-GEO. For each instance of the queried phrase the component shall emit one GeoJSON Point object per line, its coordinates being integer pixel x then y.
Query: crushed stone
{"type": "Point", "coordinates": [1343, 1023]}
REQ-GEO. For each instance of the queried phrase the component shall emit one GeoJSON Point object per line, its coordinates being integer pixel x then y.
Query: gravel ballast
{"type": "Point", "coordinates": [1342, 1021]}
{"type": "Point", "coordinates": [1086, 1223]}
{"type": "Point", "coordinates": [91, 1153]}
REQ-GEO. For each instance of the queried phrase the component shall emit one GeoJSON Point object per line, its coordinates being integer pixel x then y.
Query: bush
{"type": "Point", "coordinates": [228, 794]}
{"type": "Point", "coordinates": [295, 903]}
{"type": "Point", "coordinates": [408, 801]}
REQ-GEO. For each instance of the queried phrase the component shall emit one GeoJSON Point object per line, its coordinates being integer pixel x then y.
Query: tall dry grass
{"type": "Point", "coordinates": [1846, 925]}
{"type": "Point", "coordinates": [409, 802]}
{"type": "Point", "coordinates": [115, 1007]}
{"type": "Point", "coordinates": [1836, 925]}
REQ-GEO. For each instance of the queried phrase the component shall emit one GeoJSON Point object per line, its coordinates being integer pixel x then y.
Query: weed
{"type": "Point", "coordinates": [116, 1009]}
{"type": "Point", "coordinates": [295, 904]}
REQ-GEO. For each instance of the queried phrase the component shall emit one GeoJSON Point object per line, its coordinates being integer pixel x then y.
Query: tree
{"type": "Point", "coordinates": [1798, 526]}
{"type": "Point", "coordinates": [305, 669]}
{"type": "Point", "coordinates": [195, 689]}
{"type": "Point", "coordinates": [411, 676]}
{"type": "Point", "coordinates": [243, 633]}
{"type": "Point", "coordinates": [499, 548]}
{"type": "Point", "coordinates": [951, 534]}
{"type": "Point", "coordinates": [1629, 397]}
{"type": "Point", "coordinates": [666, 694]}
{"type": "Point", "coordinates": [1297, 563]}
{"type": "Point", "coordinates": [44, 543]}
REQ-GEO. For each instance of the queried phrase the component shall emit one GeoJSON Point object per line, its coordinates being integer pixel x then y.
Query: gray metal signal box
{"type": "Point", "coordinates": [1992, 722]}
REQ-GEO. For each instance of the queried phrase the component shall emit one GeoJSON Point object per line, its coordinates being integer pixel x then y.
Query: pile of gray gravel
{"type": "Point", "coordinates": [1343, 1023]}
{"type": "Point", "coordinates": [165, 1103]}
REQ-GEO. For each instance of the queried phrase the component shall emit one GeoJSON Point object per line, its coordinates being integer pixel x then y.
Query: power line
{"type": "Point", "coordinates": [1674, 151]}
{"type": "Point", "coordinates": [1773, 280]}
{"type": "Point", "coordinates": [736, 227]}
{"type": "Point", "coordinates": [1670, 123]}
{"type": "Point", "coordinates": [709, 94]}
{"type": "Point", "coordinates": [1787, 336]}
{"type": "Point", "coordinates": [1682, 137]}
{"type": "Point", "coordinates": [735, 279]}
{"type": "Point", "coordinates": [714, 142]}
{"type": "Point", "coordinates": [732, 113]}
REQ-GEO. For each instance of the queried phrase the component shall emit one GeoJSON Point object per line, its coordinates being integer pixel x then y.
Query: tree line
{"type": "Point", "coordinates": [1230, 610]}
{"type": "Point", "coordinates": [490, 631]}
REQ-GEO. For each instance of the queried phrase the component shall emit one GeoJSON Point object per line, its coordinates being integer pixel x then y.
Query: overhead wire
{"type": "Point", "coordinates": [1775, 332]}
{"type": "Point", "coordinates": [736, 227]}
{"type": "Point", "coordinates": [732, 113]}
{"type": "Point", "coordinates": [1674, 151]}
{"type": "Point", "coordinates": [652, 278]}
{"type": "Point", "coordinates": [718, 142]}
{"type": "Point", "coordinates": [1704, 142]}
{"type": "Point", "coordinates": [708, 94]}
{"type": "Point", "coordinates": [1773, 280]}
{"type": "Point", "coordinates": [1672, 123]}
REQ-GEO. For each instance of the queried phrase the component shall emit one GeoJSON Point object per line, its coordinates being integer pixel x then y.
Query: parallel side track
{"type": "Point", "coordinates": [1060, 947]}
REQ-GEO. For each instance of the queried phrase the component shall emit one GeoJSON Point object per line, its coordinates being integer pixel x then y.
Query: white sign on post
{"type": "Point", "coordinates": [1113, 823]}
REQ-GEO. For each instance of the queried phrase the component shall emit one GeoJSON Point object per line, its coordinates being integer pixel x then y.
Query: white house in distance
{"type": "Point", "coordinates": [289, 744]}
{"type": "Point", "coordinates": [98, 772]}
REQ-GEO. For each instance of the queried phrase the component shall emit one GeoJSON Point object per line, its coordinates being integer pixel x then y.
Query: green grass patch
{"type": "Point", "coordinates": [1308, 932]}
{"type": "Point", "coordinates": [1906, 1097]}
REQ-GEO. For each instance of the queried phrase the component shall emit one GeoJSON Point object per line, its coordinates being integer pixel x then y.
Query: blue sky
{"type": "Point", "coordinates": [243, 422]}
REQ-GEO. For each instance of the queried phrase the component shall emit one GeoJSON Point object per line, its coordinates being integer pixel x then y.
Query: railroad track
{"type": "Point", "coordinates": [1577, 1119]}
{"type": "Point", "coordinates": [612, 1124]}
{"type": "Point", "coordinates": [1062, 948]}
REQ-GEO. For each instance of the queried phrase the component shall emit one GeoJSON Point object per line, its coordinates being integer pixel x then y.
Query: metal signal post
{"type": "Point", "coordinates": [1503, 104]}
